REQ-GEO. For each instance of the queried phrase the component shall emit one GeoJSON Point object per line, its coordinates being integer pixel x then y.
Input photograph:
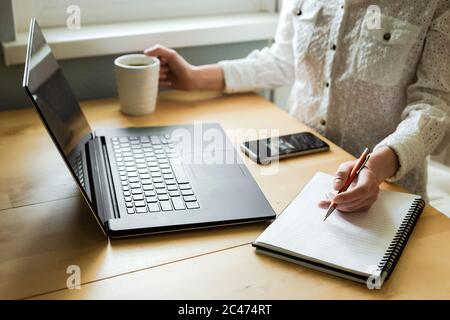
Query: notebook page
{"type": "Point", "coordinates": [352, 241]}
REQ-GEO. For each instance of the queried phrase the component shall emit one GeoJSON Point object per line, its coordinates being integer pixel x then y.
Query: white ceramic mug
{"type": "Point", "coordinates": [137, 78]}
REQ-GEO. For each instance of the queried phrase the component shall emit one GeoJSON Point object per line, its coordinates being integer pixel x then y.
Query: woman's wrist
{"type": "Point", "coordinates": [207, 77]}
{"type": "Point", "coordinates": [383, 163]}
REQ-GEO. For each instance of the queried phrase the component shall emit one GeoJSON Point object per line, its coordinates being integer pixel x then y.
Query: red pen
{"type": "Point", "coordinates": [353, 174]}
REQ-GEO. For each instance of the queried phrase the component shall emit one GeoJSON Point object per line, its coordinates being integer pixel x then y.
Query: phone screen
{"type": "Point", "coordinates": [285, 145]}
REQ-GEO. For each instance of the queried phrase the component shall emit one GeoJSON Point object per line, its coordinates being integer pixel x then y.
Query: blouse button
{"type": "Point", "coordinates": [387, 36]}
{"type": "Point", "coordinates": [298, 12]}
{"type": "Point", "coordinates": [323, 122]}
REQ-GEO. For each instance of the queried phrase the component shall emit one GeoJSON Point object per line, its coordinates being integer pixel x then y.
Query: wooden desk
{"type": "Point", "coordinates": [45, 226]}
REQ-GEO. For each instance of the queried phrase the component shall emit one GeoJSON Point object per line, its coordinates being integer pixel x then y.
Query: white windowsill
{"type": "Point", "coordinates": [96, 40]}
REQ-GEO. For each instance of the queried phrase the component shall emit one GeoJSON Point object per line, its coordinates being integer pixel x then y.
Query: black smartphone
{"type": "Point", "coordinates": [265, 151]}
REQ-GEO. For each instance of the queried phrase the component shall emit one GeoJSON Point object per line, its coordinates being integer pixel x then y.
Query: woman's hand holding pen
{"type": "Point", "coordinates": [363, 192]}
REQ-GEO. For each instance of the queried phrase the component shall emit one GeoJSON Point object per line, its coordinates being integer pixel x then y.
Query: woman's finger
{"type": "Point", "coordinates": [352, 206]}
{"type": "Point", "coordinates": [362, 205]}
{"type": "Point", "coordinates": [164, 69]}
{"type": "Point", "coordinates": [364, 186]}
{"type": "Point", "coordinates": [357, 191]}
{"type": "Point", "coordinates": [342, 174]}
{"type": "Point", "coordinates": [167, 76]}
{"type": "Point", "coordinates": [163, 72]}
{"type": "Point", "coordinates": [160, 52]}
{"type": "Point", "coordinates": [346, 207]}
{"type": "Point", "coordinates": [165, 83]}
{"type": "Point", "coordinates": [324, 204]}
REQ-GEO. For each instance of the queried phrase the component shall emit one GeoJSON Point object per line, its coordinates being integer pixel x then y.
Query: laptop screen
{"type": "Point", "coordinates": [52, 95]}
{"type": "Point", "coordinates": [57, 106]}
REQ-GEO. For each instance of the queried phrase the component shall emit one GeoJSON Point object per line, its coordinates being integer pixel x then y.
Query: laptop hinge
{"type": "Point", "coordinates": [112, 192]}
{"type": "Point", "coordinates": [104, 198]}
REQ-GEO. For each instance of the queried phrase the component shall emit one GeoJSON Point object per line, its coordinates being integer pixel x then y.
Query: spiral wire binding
{"type": "Point", "coordinates": [395, 249]}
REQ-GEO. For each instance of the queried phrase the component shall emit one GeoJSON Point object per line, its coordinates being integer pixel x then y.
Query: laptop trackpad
{"type": "Point", "coordinates": [216, 171]}
{"type": "Point", "coordinates": [224, 165]}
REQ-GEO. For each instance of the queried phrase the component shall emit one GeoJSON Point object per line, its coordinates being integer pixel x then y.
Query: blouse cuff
{"type": "Point", "coordinates": [237, 77]}
{"type": "Point", "coordinates": [409, 152]}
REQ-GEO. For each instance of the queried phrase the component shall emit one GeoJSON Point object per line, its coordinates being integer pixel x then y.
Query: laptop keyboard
{"type": "Point", "coordinates": [78, 168]}
{"type": "Point", "coordinates": [152, 177]}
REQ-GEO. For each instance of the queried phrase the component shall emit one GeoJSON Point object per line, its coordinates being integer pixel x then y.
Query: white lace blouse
{"type": "Point", "coordinates": [362, 81]}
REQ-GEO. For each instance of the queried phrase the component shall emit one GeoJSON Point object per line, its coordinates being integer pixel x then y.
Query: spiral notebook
{"type": "Point", "coordinates": [361, 246]}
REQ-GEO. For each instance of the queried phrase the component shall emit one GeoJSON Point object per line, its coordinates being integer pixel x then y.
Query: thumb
{"type": "Point", "coordinates": [159, 51]}
{"type": "Point", "coordinates": [342, 174]}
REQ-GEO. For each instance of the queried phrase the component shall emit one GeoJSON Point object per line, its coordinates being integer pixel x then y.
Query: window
{"type": "Point", "coordinates": [53, 13]}
{"type": "Point", "coordinates": [120, 26]}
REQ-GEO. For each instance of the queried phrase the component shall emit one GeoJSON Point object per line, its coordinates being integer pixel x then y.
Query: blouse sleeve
{"type": "Point", "coordinates": [425, 124]}
{"type": "Point", "coordinates": [267, 68]}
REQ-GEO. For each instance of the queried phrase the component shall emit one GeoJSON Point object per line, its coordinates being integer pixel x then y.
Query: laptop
{"type": "Point", "coordinates": [146, 180]}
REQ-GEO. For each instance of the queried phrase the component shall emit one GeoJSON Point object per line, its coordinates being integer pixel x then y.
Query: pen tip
{"type": "Point", "coordinates": [329, 211]}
